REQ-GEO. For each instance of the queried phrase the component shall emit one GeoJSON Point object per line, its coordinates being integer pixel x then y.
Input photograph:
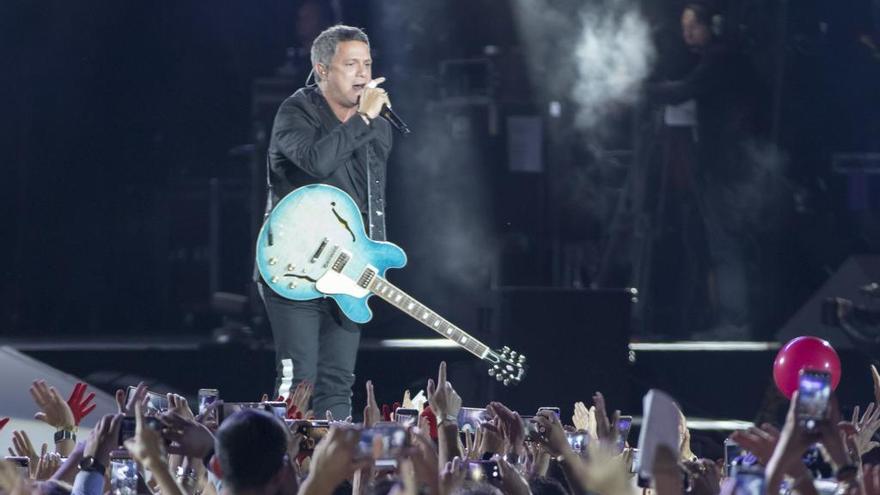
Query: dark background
{"type": "Point", "coordinates": [118, 114]}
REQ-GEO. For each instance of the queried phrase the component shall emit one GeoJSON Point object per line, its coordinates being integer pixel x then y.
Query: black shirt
{"type": "Point", "coordinates": [310, 145]}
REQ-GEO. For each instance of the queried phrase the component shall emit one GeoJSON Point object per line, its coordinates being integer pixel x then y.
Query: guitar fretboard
{"type": "Point", "coordinates": [426, 316]}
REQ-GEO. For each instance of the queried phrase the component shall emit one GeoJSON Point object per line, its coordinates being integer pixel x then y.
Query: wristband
{"type": "Point", "coordinates": [65, 434]}
{"type": "Point", "coordinates": [447, 418]}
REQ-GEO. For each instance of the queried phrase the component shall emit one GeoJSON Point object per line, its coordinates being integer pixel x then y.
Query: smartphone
{"type": "Point", "coordinates": [482, 472]}
{"type": "Point", "coordinates": [312, 432]}
{"type": "Point", "coordinates": [384, 442]}
{"type": "Point", "coordinates": [578, 440]}
{"type": "Point", "coordinates": [406, 416]}
{"type": "Point", "coordinates": [123, 475]}
{"type": "Point", "coordinates": [278, 408]}
{"type": "Point", "coordinates": [749, 480]}
{"type": "Point", "coordinates": [156, 403]}
{"type": "Point", "coordinates": [554, 409]}
{"type": "Point", "coordinates": [814, 392]}
{"type": "Point", "coordinates": [129, 426]}
{"type": "Point", "coordinates": [208, 396]}
{"type": "Point", "coordinates": [22, 463]}
{"type": "Point", "coordinates": [624, 424]}
{"type": "Point", "coordinates": [732, 455]}
{"type": "Point", "coordinates": [470, 418]}
{"type": "Point", "coordinates": [531, 428]}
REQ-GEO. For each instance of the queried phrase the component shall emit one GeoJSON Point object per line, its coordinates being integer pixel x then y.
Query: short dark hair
{"type": "Point", "coordinates": [324, 46]}
{"type": "Point", "coordinates": [250, 446]}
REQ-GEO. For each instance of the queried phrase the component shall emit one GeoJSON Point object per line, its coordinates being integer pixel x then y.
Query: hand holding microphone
{"type": "Point", "coordinates": [373, 99]}
{"type": "Point", "coordinates": [374, 102]}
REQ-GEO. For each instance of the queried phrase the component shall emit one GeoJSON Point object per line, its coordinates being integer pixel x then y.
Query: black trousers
{"type": "Point", "coordinates": [314, 341]}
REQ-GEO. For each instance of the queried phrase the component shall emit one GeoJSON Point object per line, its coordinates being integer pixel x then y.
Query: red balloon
{"type": "Point", "coordinates": [804, 353]}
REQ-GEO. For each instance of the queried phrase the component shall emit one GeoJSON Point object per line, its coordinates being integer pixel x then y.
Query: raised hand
{"type": "Point", "coordinates": [373, 98]}
{"type": "Point", "coordinates": [103, 439]}
{"type": "Point", "coordinates": [24, 448]}
{"type": "Point", "coordinates": [444, 400]}
{"type": "Point", "coordinates": [425, 460]}
{"type": "Point", "coordinates": [191, 439]}
{"type": "Point", "coordinates": [179, 405]}
{"type": "Point", "coordinates": [512, 482]}
{"type": "Point", "coordinates": [301, 396]}
{"type": "Point", "coordinates": [79, 406]}
{"type": "Point", "coordinates": [146, 446]}
{"type": "Point", "coordinates": [138, 397]}
{"type": "Point", "coordinates": [865, 427]}
{"type": "Point", "coordinates": [759, 441]}
{"type": "Point", "coordinates": [552, 434]}
{"type": "Point", "coordinates": [54, 410]}
{"type": "Point", "coordinates": [335, 460]}
{"type": "Point", "coordinates": [511, 427]}
{"type": "Point", "coordinates": [452, 476]}
{"type": "Point", "coordinates": [372, 414]}
{"type": "Point", "coordinates": [46, 465]}
{"type": "Point", "coordinates": [606, 429]}
{"type": "Point", "coordinates": [583, 419]}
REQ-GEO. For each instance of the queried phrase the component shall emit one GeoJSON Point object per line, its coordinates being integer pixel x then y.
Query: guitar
{"type": "Point", "coordinates": [313, 244]}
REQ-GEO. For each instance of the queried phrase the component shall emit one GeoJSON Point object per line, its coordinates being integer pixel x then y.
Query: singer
{"type": "Point", "coordinates": [328, 132]}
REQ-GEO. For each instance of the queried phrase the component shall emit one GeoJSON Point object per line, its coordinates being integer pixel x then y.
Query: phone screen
{"type": "Point", "coordinates": [383, 442]}
{"type": "Point", "coordinates": [470, 418]}
{"type": "Point", "coordinates": [483, 471]}
{"type": "Point", "coordinates": [578, 441]}
{"type": "Point", "coordinates": [406, 416]}
{"type": "Point", "coordinates": [123, 476]}
{"type": "Point", "coordinates": [156, 403]}
{"type": "Point", "coordinates": [814, 391]}
{"type": "Point", "coordinates": [624, 423]}
{"type": "Point", "coordinates": [749, 481]}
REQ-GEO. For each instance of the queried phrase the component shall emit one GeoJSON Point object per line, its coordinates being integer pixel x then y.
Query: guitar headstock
{"type": "Point", "coordinates": [510, 367]}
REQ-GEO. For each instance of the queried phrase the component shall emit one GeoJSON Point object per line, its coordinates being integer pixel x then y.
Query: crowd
{"type": "Point", "coordinates": [252, 450]}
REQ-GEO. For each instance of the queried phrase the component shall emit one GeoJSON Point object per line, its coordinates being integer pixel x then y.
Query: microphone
{"type": "Point", "coordinates": [389, 115]}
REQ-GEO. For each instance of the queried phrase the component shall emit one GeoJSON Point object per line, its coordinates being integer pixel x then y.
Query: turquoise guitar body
{"type": "Point", "coordinates": [305, 230]}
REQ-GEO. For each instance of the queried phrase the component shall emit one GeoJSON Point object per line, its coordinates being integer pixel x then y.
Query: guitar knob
{"type": "Point", "coordinates": [499, 377]}
{"type": "Point", "coordinates": [274, 280]}
{"type": "Point", "coordinates": [273, 261]}
{"type": "Point", "coordinates": [491, 372]}
{"type": "Point", "coordinates": [291, 267]}
{"type": "Point", "coordinates": [506, 383]}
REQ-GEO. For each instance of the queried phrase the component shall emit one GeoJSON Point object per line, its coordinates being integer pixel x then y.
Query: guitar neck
{"type": "Point", "coordinates": [404, 302]}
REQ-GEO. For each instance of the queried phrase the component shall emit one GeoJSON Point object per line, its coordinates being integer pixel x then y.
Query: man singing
{"type": "Point", "coordinates": [328, 133]}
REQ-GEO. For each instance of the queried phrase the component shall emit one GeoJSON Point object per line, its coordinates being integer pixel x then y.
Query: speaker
{"type": "Point", "coordinates": [575, 341]}
{"type": "Point", "coordinates": [853, 273]}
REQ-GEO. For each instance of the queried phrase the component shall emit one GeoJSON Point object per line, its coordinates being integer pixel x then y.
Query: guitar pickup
{"type": "Point", "coordinates": [320, 250]}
